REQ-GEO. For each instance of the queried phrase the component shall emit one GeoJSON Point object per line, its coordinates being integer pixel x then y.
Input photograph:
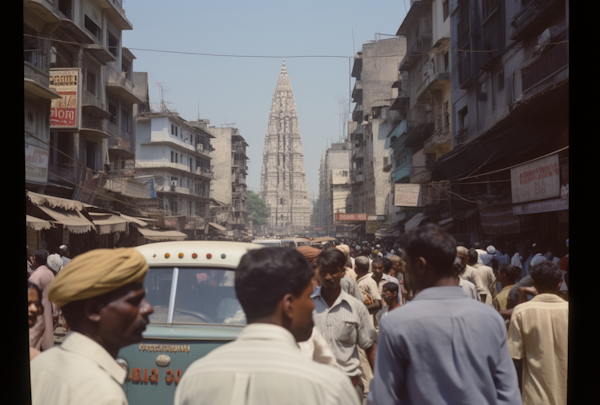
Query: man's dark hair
{"type": "Point", "coordinates": [387, 265]}
{"type": "Point", "coordinates": [435, 245]}
{"type": "Point", "coordinates": [366, 251]}
{"type": "Point", "coordinates": [378, 260]}
{"type": "Point", "coordinates": [546, 275]}
{"type": "Point", "coordinates": [62, 251]}
{"type": "Point", "coordinates": [391, 287]}
{"type": "Point", "coordinates": [41, 257]}
{"type": "Point", "coordinates": [473, 255]}
{"type": "Point", "coordinates": [331, 259]}
{"type": "Point", "coordinates": [511, 272]}
{"type": "Point", "coordinates": [265, 275]}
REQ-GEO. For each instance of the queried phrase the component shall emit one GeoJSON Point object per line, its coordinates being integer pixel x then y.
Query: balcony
{"type": "Point", "coordinates": [121, 173]}
{"type": "Point", "coordinates": [172, 189]}
{"type": "Point", "coordinates": [94, 128]}
{"type": "Point", "coordinates": [92, 103]}
{"type": "Point", "coordinates": [461, 137]}
{"type": "Point", "coordinates": [357, 91]}
{"type": "Point", "coordinates": [358, 131]}
{"type": "Point", "coordinates": [205, 173]}
{"type": "Point", "coordinates": [360, 177]}
{"type": "Point", "coordinates": [68, 30]}
{"type": "Point", "coordinates": [466, 70]}
{"type": "Point", "coordinates": [99, 52]}
{"type": "Point", "coordinates": [357, 67]}
{"type": "Point", "coordinates": [115, 13]}
{"type": "Point", "coordinates": [164, 164]}
{"type": "Point", "coordinates": [421, 132]}
{"type": "Point", "coordinates": [121, 143]}
{"type": "Point", "coordinates": [36, 82]}
{"type": "Point", "coordinates": [433, 83]}
{"type": "Point", "coordinates": [201, 149]}
{"type": "Point", "coordinates": [419, 48]}
{"type": "Point", "coordinates": [533, 17]}
{"type": "Point", "coordinates": [420, 174]}
{"type": "Point", "coordinates": [402, 173]}
{"type": "Point", "coordinates": [120, 85]}
{"type": "Point", "coordinates": [41, 15]}
{"type": "Point", "coordinates": [545, 66]}
{"type": "Point", "coordinates": [239, 149]}
{"type": "Point", "coordinates": [357, 114]}
{"type": "Point", "coordinates": [358, 153]}
{"type": "Point", "coordinates": [400, 103]}
{"type": "Point", "coordinates": [439, 142]}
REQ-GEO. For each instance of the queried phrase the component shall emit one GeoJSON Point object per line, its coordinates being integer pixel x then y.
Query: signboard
{"type": "Point", "coordinates": [539, 180]}
{"type": "Point", "coordinates": [372, 226]}
{"type": "Point", "coordinates": [65, 111]}
{"type": "Point", "coordinates": [375, 217]}
{"type": "Point", "coordinates": [541, 206]}
{"type": "Point", "coordinates": [499, 219]}
{"type": "Point", "coordinates": [36, 164]}
{"type": "Point", "coordinates": [350, 217]}
{"type": "Point", "coordinates": [407, 195]}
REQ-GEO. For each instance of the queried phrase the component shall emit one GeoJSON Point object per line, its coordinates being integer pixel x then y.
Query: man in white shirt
{"type": "Point", "coordinates": [469, 273]}
{"type": "Point", "coordinates": [264, 365]}
{"type": "Point", "coordinates": [486, 274]}
{"type": "Point", "coordinates": [101, 294]}
{"type": "Point", "coordinates": [468, 287]}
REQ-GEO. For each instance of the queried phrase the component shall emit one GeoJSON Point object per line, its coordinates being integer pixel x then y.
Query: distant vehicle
{"type": "Point", "coordinates": [268, 242]}
{"type": "Point", "coordinates": [295, 242]}
{"type": "Point", "coordinates": [190, 284]}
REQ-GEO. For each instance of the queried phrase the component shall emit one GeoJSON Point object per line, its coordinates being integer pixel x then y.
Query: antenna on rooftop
{"type": "Point", "coordinates": [162, 90]}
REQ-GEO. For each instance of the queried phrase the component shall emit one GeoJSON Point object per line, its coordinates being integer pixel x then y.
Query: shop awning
{"type": "Point", "coordinates": [414, 221]}
{"type": "Point", "coordinates": [162, 235]}
{"type": "Point", "coordinates": [106, 224]}
{"type": "Point", "coordinates": [73, 220]}
{"type": "Point", "coordinates": [136, 221]}
{"type": "Point", "coordinates": [55, 202]}
{"type": "Point", "coordinates": [37, 224]}
{"type": "Point", "coordinates": [217, 226]}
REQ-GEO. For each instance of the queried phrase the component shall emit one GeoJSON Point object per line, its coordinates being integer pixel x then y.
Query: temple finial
{"type": "Point", "coordinates": [283, 70]}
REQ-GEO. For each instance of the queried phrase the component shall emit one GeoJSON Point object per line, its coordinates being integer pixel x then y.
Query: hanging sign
{"type": "Point", "coordinates": [407, 195]}
{"type": "Point", "coordinates": [65, 111]}
{"type": "Point", "coordinates": [535, 181]}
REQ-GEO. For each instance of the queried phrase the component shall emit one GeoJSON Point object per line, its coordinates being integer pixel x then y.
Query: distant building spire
{"type": "Point", "coordinates": [283, 71]}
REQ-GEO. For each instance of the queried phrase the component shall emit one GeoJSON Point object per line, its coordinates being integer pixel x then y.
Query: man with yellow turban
{"type": "Point", "coordinates": [102, 298]}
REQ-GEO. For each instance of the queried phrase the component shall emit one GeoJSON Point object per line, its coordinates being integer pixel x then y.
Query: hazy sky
{"type": "Point", "coordinates": [239, 90]}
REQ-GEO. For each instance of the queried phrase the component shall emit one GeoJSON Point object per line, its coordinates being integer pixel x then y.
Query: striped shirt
{"type": "Point", "coordinates": [263, 366]}
{"type": "Point", "coordinates": [345, 326]}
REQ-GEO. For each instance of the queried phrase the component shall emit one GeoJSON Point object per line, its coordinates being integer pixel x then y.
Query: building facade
{"type": "Point", "coordinates": [230, 167]}
{"type": "Point", "coordinates": [283, 179]}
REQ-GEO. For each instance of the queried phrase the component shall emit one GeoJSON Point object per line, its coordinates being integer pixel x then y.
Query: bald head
{"type": "Point", "coordinates": [463, 253]}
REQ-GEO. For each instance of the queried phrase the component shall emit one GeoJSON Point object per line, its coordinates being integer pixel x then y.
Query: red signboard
{"type": "Point", "coordinates": [350, 217]}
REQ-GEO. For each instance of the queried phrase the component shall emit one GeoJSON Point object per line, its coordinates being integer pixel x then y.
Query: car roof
{"type": "Point", "coordinates": [154, 253]}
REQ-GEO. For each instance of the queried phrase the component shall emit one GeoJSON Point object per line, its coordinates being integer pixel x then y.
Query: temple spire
{"type": "Point", "coordinates": [283, 71]}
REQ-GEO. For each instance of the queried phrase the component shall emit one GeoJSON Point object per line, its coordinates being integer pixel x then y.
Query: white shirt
{"type": "Point", "coordinates": [316, 348]}
{"type": "Point", "coordinates": [469, 288]}
{"type": "Point", "coordinates": [263, 366]}
{"type": "Point", "coordinates": [517, 260]}
{"type": "Point", "coordinates": [79, 371]}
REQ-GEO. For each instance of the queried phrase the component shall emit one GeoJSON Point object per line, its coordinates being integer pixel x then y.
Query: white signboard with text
{"type": "Point", "coordinates": [535, 181]}
{"type": "Point", "coordinates": [36, 164]}
{"type": "Point", "coordinates": [407, 195]}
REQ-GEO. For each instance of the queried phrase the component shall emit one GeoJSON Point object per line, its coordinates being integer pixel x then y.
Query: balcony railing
{"type": "Point", "coordinates": [440, 137]}
{"type": "Point", "coordinates": [90, 99]}
{"type": "Point", "coordinates": [238, 148]}
{"type": "Point", "coordinates": [94, 123]}
{"type": "Point", "coordinates": [172, 189]}
{"type": "Point", "coordinates": [205, 172]}
{"type": "Point", "coordinates": [32, 72]}
{"type": "Point", "coordinates": [533, 14]}
{"type": "Point", "coordinates": [200, 149]}
{"type": "Point", "coordinates": [117, 174]}
{"type": "Point", "coordinates": [547, 64]}
{"type": "Point", "coordinates": [461, 137]}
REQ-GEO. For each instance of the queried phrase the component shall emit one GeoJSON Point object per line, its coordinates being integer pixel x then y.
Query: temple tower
{"type": "Point", "coordinates": [283, 179]}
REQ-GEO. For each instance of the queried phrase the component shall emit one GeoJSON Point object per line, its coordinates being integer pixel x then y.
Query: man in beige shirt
{"type": "Point", "coordinates": [538, 334]}
{"type": "Point", "coordinates": [101, 295]}
{"type": "Point", "coordinates": [469, 273]}
{"type": "Point", "coordinates": [486, 274]}
{"type": "Point", "coordinates": [507, 275]}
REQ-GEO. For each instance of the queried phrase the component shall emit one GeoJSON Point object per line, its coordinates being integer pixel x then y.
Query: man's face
{"type": "Point", "coordinates": [330, 278]}
{"type": "Point", "coordinates": [464, 259]}
{"type": "Point", "coordinates": [34, 306]}
{"type": "Point", "coordinates": [125, 316]}
{"type": "Point", "coordinates": [302, 321]}
{"type": "Point", "coordinates": [388, 296]}
{"type": "Point", "coordinates": [377, 270]}
{"type": "Point", "coordinates": [396, 268]}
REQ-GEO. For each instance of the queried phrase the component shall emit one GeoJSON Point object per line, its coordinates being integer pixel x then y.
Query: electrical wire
{"type": "Point", "coordinates": [281, 57]}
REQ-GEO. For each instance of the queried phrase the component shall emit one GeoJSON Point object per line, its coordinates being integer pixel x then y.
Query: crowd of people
{"type": "Point", "coordinates": [425, 321]}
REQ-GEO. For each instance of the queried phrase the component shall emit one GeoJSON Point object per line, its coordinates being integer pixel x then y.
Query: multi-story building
{"type": "Point", "coordinates": [230, 166]}
{"type": "Point", "coordinates": [337, 175]}
{"type": "Point", "coordinates": [510, 81]}
{"type": "Point", "coordinates": [177, 155]}
{"type": "Point", "coordinates": [375, 69]}
{"type": "Point", "coordinates": [40, 19]}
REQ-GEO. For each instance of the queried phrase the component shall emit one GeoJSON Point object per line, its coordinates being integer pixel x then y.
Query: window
{"type": "Point", "coordinates": [189, 207]}
{"type": "Point", "coordinates": [92, 27]}
{"type": "Point", "coordinates": [385, 161]}
{"type": "Point", "coordinates": [446, 62]}
{"type": "Point", "coordinates": [91, 83]}
{"type": "Point", "coordinates": [463, 122]}
{"type": "Point", "coordinates": [125, 120]}
{"type": "Point", "coordinates": [176, 157]}
{"type": "Point", "coordinates": [113, 44]}
{"type": "Point", "coordinates": [65, 7]}
{"type": "Point", "coordinates": [172, 129]}
{"type": "Point", "coordinates": [172, 158]}
{"type": "Point", "coordinates": [446, 7]}
{"type": "Point", "coordinates": [112, 109]}
{"type": "Point", "coordinates": [90, 155]}
{"type": "Point", "coordinates": [501, 80]}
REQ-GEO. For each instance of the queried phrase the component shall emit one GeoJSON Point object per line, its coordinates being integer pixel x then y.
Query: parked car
{"type": "Point", "coordinates": [190, 284]}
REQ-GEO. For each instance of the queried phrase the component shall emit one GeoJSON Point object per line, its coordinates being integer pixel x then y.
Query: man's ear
{"type": "Point", "coordinates": [92, 308]}
{"type": "Point", "coordinates": [287, 305]}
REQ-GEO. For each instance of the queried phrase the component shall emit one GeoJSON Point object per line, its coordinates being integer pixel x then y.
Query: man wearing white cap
{"type": "Point", "coordinates": [62, 251]}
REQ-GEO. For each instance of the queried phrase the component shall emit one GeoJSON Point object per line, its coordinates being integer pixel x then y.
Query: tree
{"type": "Point", "coordinates": [256, 208]}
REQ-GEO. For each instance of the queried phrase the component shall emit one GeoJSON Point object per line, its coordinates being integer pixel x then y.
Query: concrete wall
{"type": "Point", "coordinates": [221, 163]}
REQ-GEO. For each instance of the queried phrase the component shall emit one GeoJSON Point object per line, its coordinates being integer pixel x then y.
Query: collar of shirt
{"type": "Point", "coordinates": [358, 279]}
{"type": "Point", "coordinates": [266, 331]}
{"type": "Point", "coordinates": [84, 346]}
{"type": "Point", "coordinates": [440, 293]}
{"type": "Point", "coordinates": [342, 297]}
{"type": "Point", "coordinates": [547, 298]}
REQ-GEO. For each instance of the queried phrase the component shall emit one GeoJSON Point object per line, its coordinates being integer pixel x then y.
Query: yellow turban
{"type": "Point", "coordinates": [97, 272]}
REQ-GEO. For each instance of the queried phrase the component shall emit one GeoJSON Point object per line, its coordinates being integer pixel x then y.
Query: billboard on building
{"type": "Point", "coordinates": [65, 112]}
{"type": "Point", "coordinates": [535, 181]}
{"type": "Point", "coordinates": [36, 164]}
{"type": "Point", "coordinates": [407, 195]}
{"type": "Point", "coordinates": [350, 217]}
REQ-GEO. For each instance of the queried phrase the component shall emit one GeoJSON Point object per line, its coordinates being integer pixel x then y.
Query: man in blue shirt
{"type": "Point", "coordinates": [444, 347]}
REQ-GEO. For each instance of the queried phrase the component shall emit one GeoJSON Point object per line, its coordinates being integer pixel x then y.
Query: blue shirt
{"type": "Point", "coordinates": [526, 265]}
{"type": "Point", "coordinates": [443, 348]}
